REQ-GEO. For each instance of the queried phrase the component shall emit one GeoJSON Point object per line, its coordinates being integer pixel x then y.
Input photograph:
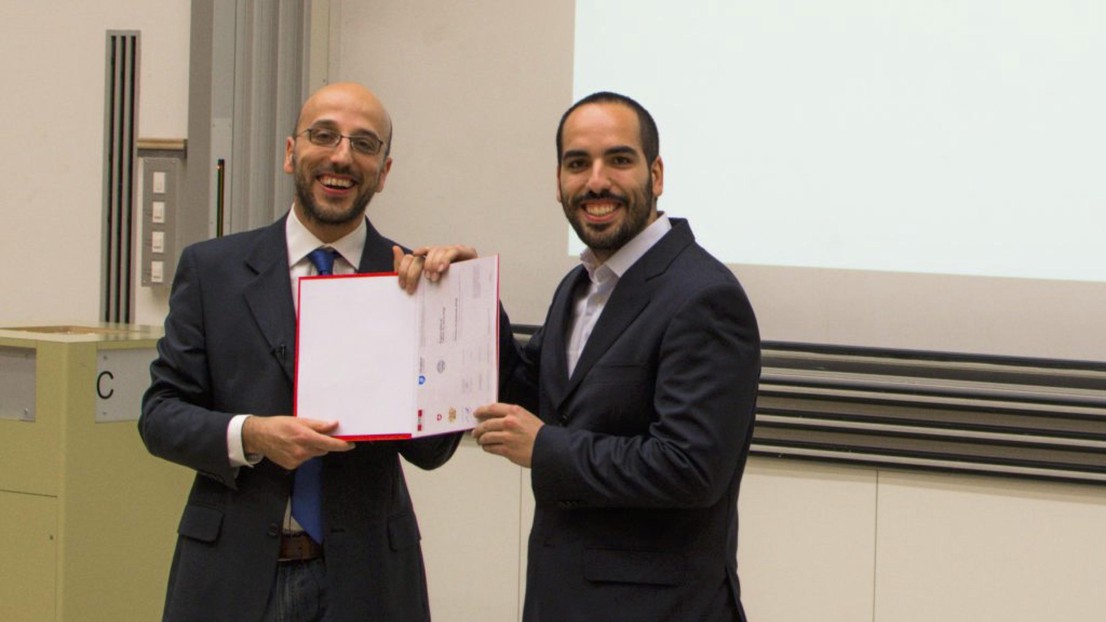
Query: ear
{"type": "Point", "coordinates": [383, 174]}
{"type": "Point", "coordinates": [657, 169]}
{"type": "Point", "coordinates": [289, 147]}
{"type": "Point", "coordinates": [560, 199]}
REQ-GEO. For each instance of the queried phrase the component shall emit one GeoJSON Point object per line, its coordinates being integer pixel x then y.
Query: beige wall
{"type": "Point", "coordinates": [52, 123]}
{"type": "Point", "coordinates": [475, 91]}
{"type": "Point", "coordinates": [817, 542]}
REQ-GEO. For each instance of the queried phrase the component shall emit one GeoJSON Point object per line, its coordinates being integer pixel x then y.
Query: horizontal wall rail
{"type": "Point", "coordinates": [1011, 416]}
{"type": "Point", "coordinates": [1038, 418]}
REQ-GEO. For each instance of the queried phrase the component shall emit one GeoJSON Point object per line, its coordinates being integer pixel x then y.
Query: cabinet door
{"type": "Point", "coordinates": [28, 527]}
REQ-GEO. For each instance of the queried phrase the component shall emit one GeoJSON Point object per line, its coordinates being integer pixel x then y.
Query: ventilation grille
{"type": "Point", "coordinates": [120, 124]}
{"type": "Point", "coordinates": [1022, 417]}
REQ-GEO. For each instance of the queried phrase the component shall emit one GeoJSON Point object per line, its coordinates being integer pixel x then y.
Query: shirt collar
{"type": "Point", "coordinates": [301, 242]}
{"type": "Point", "coordinates": [627, 256]}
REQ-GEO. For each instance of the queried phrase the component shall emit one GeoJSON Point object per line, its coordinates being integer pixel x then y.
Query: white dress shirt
{"type": "Point", "coordinates": [603, 277]}
{"type": "Point", "coordinates": [300, 244]}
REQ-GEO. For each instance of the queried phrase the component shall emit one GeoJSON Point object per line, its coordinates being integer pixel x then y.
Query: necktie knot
{"type": "Point", "coordinates": [323, 259]}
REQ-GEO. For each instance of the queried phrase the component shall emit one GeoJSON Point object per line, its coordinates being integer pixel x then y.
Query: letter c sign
{"type": "Point", "coordinates": [100, 389]}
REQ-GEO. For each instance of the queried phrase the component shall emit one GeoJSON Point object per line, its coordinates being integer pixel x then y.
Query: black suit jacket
{"type": "Point", "coordinates": [636, 473]}
{"type": "Point", "coordinates": [229, 348]}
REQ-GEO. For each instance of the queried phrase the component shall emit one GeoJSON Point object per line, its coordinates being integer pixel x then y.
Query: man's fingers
{"type": "Point", "coordinates": [321, 426]}
{"type": "Point", "coordinates": [410, 272]}
{"type": "Point", "coordinates": [397, 257]}
{"type": "Point", "coordinates": [490, 411]}
{"type": "Point", "coordinates": [437, 262]}
{"type": "Point", "coordinates": [439, 258]}
{"type": "Point", "coordinates": [324, 442]}
{"type": "Point", "coordinates": [408, 267]}
{"type": "Point", "coordinates": [427, 261]}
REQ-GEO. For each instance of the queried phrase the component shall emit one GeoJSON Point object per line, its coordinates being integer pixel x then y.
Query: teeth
{"type": "Point", "coordinates": [335, 182]}
{"type": "Point", "coordinates": [599, 209]}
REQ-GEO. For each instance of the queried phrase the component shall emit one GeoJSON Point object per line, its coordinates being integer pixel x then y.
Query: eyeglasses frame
{"type": "Point", "coordinates": [310, 132]}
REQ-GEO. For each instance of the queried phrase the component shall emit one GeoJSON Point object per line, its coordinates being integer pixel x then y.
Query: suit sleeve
{"type": "Point", "coordinates": [430, 452]}
{"type": "Point", "coordinates": [518, 367]}
{"type": "Point", "coordinates": [698, 430]}
{"type": "Point", "coordinates": [177, 423]}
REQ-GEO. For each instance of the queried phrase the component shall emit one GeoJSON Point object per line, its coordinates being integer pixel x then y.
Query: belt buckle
{"type": "Point", "coordinates": [298, 547]}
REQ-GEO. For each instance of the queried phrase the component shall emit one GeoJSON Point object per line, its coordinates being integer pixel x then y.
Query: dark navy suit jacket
{"type": "Point", "coordinates": [636, 473]}
{"type": "Point", "coordinates": [229, 348]}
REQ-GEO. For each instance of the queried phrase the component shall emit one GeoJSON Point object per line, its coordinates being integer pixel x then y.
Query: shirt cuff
{"type": "Point", "coordinates": [235, 450]}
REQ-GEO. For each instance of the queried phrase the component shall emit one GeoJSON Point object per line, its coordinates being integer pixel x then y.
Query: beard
{"type": "Point", "coordinates": [609, 238]}
{"type": "Point", "coordinates": [303, 181]}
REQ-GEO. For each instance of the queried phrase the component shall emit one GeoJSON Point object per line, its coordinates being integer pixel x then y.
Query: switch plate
{"type": "Point", "coordinates": [157, 271]}
{"type": "Point", "coordinates": [159, 182]}
{"type": "Point", "coordinates": [161, 179]}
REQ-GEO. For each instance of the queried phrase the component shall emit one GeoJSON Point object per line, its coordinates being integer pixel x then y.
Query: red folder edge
{"type": "Point", "coordinates": [295, 385]}
{"type": "Point", "coordinates": [386, 437]}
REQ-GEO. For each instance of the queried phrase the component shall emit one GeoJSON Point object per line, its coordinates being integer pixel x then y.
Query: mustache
{"type": "Point", "coordinates": [343, 171]}
{"type": "Point", "coordinates": [596, 196]}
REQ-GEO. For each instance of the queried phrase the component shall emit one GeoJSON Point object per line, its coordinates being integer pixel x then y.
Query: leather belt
{"type": "Point", "coordinates": [298, 547]}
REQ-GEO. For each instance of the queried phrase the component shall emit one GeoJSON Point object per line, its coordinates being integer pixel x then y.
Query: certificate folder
{"type": "Point", "coordinates": [391, 365]}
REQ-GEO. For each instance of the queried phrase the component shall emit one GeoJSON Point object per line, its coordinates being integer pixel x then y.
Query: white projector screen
{"type": "Point", "coordinates": [906, 174]}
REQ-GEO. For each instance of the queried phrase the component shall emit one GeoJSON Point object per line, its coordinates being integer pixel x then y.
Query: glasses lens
{"type": "Point", "coordinates": [324, 138]}
{"type": "Point", "coordinates": [367, 145]}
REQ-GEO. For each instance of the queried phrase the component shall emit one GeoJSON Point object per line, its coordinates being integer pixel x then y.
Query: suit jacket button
{"type": "Point", "coordinates": [274, 529]}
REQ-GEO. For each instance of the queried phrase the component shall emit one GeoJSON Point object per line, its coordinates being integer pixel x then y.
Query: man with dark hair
{"type": "Point", "coordinates": [633, 404]}
{"type": "Point", "coordinates": [647, 128]}
{"type": "Point", "coordinates": [285, 522]}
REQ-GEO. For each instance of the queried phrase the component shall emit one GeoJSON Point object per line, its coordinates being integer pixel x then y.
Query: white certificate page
{"type": "Point", "coordinates": [387, 364]}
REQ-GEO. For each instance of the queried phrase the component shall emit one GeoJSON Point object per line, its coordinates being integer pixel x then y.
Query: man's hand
{"type": "Point", "coordinates": [507, 430]}
{"type": "Point", "coordinates": [290, 441]}
{"type": "Point", "coordinates": [431, 261]}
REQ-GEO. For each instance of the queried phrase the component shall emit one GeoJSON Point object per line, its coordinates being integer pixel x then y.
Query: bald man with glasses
{"type": "Point", "coordinates": [285, 522]}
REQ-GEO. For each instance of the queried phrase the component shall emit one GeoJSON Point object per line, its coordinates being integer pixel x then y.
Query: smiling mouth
{"type": "Point", "coordinates": [599, 211]}
{"type": "Point", "coordinates": [335, 183]}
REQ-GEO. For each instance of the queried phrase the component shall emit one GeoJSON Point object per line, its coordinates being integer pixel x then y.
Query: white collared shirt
{"type": "Point", "coordinates": [300, 244]}
{"type": "Point", "coordinates": [603, 278]}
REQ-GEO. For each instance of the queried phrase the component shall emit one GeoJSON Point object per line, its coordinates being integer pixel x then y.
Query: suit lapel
{"type": "Point", "coordinates": [554, 363]}
{"type": "Point", "coordinates": [269, 295]}
{"type": "Point", "coordinates": [630, 297]}
{"type": "Point", "coordinates": [377, 254]}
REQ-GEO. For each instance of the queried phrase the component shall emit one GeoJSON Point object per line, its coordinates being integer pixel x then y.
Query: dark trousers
{"type": "Point", "coordinates": [299, 594]}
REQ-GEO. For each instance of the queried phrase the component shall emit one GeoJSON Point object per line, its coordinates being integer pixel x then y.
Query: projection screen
{"type": "Point", "coordinates": [907, 174]}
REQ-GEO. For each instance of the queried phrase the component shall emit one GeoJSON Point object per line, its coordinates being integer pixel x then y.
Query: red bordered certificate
{"type": "Point", "coordinates": [391, 365]}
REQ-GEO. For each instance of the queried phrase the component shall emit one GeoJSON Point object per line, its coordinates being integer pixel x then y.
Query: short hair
{"type": "Point", "coordinates": [647, 127]}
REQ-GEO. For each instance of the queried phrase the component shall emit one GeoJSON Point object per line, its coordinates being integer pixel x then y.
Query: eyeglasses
{"type": "Point", "coordinates": [365, 144]}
